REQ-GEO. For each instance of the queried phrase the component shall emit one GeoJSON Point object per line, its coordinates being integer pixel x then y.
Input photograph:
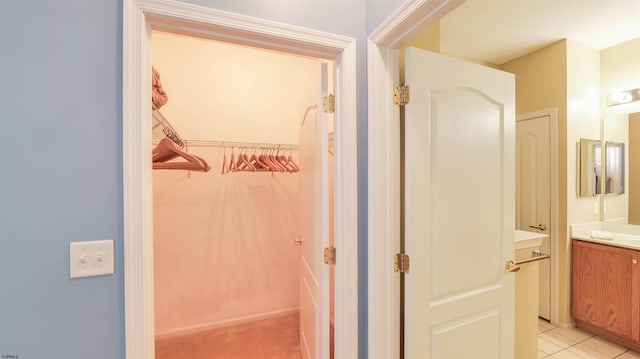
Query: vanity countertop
{"type": "Point", "coordinates": [612, 234]}
{"type": "Point", "coordinates": [619, 239]}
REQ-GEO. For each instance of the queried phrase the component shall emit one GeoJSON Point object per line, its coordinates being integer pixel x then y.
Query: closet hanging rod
{"type": "Point", "coordinates": [248, 145]}
{"type": "Point", "coordinates": [205, 143]}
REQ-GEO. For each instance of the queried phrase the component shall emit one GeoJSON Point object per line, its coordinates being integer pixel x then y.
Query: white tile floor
{"type": "Point", "coordinates": [559, 343]}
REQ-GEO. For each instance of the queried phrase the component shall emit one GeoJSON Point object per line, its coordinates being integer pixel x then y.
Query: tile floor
{"type": "Point", "coordinates": [559, 343]}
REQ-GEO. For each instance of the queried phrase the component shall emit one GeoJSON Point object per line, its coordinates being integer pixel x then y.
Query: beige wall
{"type": "Point", "coordinates": [583, 121]}
{"type": "Point", "coordinates": [541, 80]}
{"type": "Point", "coordinates": [428, 40]}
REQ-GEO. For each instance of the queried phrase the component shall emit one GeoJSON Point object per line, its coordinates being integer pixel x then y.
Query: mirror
{"type": "Point", "coordinates": [633, 166]}
{"type": "Point", "coordinates": [590, 171]}
{"type": "Point", "coordinates": [614, 168]}
{"type": "Point", "coordinates": [622, 136]}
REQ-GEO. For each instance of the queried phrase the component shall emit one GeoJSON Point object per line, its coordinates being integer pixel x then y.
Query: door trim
{"type": "Point", "coordinates": [412, 17]}
{"type": "Point", "coordinates": [553, 200]}
{"type": "Point", "coordinates": [139, 17]}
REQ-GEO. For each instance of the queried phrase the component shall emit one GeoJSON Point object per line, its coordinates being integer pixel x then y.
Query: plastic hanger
{"type": "Point", "coordinates": [233, 167]}
{"type": "Point", "coordinates": [273, 167]}
{"type": "Point", "coordinates": [258, 162]}
{"type": "Point", "coordinates": [282, 160]}
{"type": "Point", "coordinates": [274, 159]}
{"type": "Point", "coordinates": [244, 164]}
{"type": "Point", "coordinates": [224, 161]}
{"type": "Point", "coordinates": [291, 164]}
{"type": "Point", "coordinates": [168, 150]}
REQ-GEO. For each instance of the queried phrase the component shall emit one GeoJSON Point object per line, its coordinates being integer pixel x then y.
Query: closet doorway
{"type": "Point", "coordinates": [140, 17]}
{"type": "Point", "coordinates": [235, 244]}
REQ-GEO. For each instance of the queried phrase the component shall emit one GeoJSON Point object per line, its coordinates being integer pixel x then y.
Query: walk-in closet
{"type": "Point", "coordinates": [227, 196]}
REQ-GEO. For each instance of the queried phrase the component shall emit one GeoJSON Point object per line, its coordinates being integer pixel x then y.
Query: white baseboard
{"type": "Point", "coordinates": [565, 325]}
{"type": "Point", "coordinates": [175, 332]}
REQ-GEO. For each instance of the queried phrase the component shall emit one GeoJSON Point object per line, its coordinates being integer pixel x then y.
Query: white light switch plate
{"type": "Point", "coordinates": [91, 258]}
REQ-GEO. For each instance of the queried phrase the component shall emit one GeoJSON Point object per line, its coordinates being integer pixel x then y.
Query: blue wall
{"type": "Point", "coordinates": [61, 162]}
{"type": "Point", "coordinates": [60, 176]}
{"type": "Point", "coordinates": [378, 11]}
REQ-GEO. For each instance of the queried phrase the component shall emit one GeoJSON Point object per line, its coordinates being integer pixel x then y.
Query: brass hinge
{"type": "Point", "coordinates": [330, 255]}
{"type": "Point", "coordinates": [329, 104]}
{"type": "Point", "coordinates": [401, 263]}
{"type": "Point", "coordinates": [401, 95]}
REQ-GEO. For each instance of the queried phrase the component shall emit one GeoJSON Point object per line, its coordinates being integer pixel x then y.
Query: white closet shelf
{"type": "Point", "coordinates": [161, 128]}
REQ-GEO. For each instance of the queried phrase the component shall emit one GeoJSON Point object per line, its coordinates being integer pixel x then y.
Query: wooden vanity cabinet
{"type": "Point", "coordinates": [605, 291]}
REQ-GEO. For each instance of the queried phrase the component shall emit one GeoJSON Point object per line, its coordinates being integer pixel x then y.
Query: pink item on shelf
{"type": "Point", "coordinates": [158, 94]}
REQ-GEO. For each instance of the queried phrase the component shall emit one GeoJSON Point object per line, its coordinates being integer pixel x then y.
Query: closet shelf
{"type": "Point", "coordinates": [161, 128]}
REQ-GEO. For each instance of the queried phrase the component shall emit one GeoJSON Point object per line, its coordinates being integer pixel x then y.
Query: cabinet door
{"type": "Point", "coordinates": [605, 284]}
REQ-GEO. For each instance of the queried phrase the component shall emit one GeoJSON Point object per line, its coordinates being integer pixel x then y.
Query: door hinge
{"type": "Point", "coordinates": [401, 95]}
{"type": "Point", "coordinates": [401, 263]}
{"type": "Point", "coordinates": [330, 255]}
{"type": "Point", "coordinates": [329, 104]}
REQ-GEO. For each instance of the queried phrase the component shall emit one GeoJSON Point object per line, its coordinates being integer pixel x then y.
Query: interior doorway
{"type": "Point", "coordinates": [139, 18]}
{"type": "Point", "coordinates": [234, 252]}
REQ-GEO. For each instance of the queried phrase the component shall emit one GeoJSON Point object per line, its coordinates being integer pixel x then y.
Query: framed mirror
{"type": "Point", "coordinates": [590, 170]}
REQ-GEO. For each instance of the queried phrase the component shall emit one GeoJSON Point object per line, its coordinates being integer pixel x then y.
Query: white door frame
{"type": "Point", "coordinates": [139, 17]}
{"type": "Point", "coordinates": [412, 17]}
{"type": "Point", "coordinates": [553, 201]}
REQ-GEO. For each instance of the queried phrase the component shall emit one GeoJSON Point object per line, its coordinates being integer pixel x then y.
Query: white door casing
{"type": "Point", "coordinates": [411, 18]}
{"type": "Point", "coordinates": [139, 16]}
{"type": "Point", "coordinates": [459, 205]}
{"type": "Point", "coordinates": [533, 193]}
{"type": "Point", "coordinates": [314, 226]}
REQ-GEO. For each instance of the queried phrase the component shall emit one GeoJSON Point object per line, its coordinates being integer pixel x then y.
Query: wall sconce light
{"type": "Point", "coordinates": [621, 97]}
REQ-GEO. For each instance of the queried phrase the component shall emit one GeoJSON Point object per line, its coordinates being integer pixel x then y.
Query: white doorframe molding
{"type": "Point", "coordinates": [139, 17]}
{"type": "Point", "coordinates": [412, 17]}
{"type": "Point", "coordinates": [553, 201]}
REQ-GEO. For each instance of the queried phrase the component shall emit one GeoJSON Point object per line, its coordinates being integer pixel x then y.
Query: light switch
{"type": "Point", "coordinates": [90, 258]}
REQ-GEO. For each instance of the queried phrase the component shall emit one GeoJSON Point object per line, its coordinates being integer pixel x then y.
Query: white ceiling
{"type": "Point", "coordinates": [496, 31]}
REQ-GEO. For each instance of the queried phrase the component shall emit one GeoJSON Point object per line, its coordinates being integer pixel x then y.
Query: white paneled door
{"type": "Point", "coordinates": [314, 227]}
{"type": "Point", "coordinates": [533, 185]}
{"type": "Point", "coordinates": [459, 208]}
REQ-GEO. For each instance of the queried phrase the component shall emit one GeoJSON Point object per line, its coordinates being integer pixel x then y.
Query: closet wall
{"type": "Point", "coordinates": [224, 246]}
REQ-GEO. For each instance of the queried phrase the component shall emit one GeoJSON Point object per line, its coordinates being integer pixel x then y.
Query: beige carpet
{"type": "Point", "coordinates": [274, 338]}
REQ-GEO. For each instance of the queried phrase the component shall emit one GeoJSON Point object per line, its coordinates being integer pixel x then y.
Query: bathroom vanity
{"type": "Point", "coordinates": [605, 287]}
